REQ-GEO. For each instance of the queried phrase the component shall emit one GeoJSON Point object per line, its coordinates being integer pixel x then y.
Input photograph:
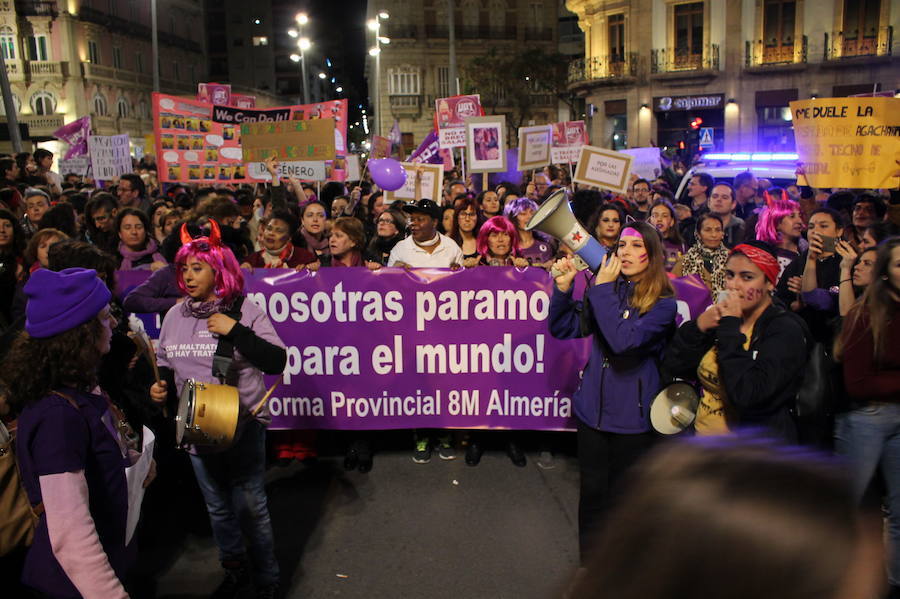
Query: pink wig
{"type": "Point", "coordinates": [229, 277]}
{"type": "Point", "coordinates": [772, 214]}
{"type": "Point", "coordinates": [497, 224]}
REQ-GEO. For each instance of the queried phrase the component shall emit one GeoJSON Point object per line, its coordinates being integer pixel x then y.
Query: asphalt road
{"type": "Point", "coordinates": [436, 530]}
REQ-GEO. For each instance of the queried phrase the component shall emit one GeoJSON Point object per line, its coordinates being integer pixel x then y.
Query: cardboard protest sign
{"type": "Point", "coordinates": [603, 168]}
{"type": "Point", "coordinates": [450, 118]}
{"type": "Point", "coordinates": [568, 138]}
{"type": "Point", "coordinates": [77, 166]}
{"type": "Point", "coordinates": [199, 142]}
{"type": "Point", "coordinates": [429, 184]}
{"type": "Point", "coordinates": [353, 167]}
{"type": "Point", "coordinates": [288, 140]}
{"type": "Point", "coordinates": [305, 171]}
{"type": "Point", "coordinates": [214, 93]}
{"type": "Point", "coordinates": [848, 142]}
{"type": "Point", "coordinates": [110, 156]}
{"type": "Point", "coordinates": [534, 146]}
{"type": "Point", "coordinates": [646, 162]}
{"type": "Point", "coordinates": [486, 144]}
{"type": "Point", "coordinates": [381, 147]}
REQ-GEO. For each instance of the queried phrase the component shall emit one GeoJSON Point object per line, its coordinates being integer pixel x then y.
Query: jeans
{"type": "Point", "coordinates": [234, 490]}
{"type": "Point", "coordinates": [603, 458]}
{"type": "Point", "coordinates": [868, 437]}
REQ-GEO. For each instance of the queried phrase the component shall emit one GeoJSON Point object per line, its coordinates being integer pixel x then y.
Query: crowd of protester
{"type": "Point", "coordinates": [786, 269]}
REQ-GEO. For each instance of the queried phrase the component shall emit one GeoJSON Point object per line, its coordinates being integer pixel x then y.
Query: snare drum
{"type": "Point", "coordinates": [207, 414]}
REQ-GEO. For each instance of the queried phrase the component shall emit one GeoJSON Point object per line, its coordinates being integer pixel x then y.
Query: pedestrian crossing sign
{"type": "Point", "coordinates": [706, 137]}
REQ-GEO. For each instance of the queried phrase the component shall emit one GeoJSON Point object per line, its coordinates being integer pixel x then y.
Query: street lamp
{"type": "Point", "coordinates": [374, 25]}
{"type": "Point", "coordinates": [303, 43]}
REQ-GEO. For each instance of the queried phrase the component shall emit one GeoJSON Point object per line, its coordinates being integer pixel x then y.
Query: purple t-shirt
{"type": "Point", "coordinates": [54, 437]}
{"type": "Point", "coordinates": [187, 348]}
{"type": "Point", "coordinates": [539, 252]}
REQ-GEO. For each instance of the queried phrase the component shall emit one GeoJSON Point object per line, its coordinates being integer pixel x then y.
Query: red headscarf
{"type": "Point", "coordinates": [765, 261]}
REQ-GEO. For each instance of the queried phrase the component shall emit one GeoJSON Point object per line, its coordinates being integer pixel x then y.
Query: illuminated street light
{"type": "Point", "coordinates": [322, 75]}
{"type": "Point", "coordinates": [304, 44]}
{"type": "Point", "coordinates": [302, 19]}
{"type": "Point", "coordinates": [384, 15]}
{"type": "Point", "coordinates": [373, 24]}
{"type": "Point", "coordinates": [293, 33]}
{"type": "Point", "coordinates": [339, 89]}
{"type": "Point", "coordinates": [384, 40]}
{"type": "Point", "coordinates": [295, 57]}
{"type": "Point", "coordinates": [374, 51]}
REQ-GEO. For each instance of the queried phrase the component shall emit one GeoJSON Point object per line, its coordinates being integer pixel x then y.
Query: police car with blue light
{"type": "Point", "coordinates": [778, 167]}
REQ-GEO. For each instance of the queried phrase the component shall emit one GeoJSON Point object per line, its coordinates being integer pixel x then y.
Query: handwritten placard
{"type": "Point", "coordinates": [603, 168]}
{"type": "Point", "coordinates": [288, 140]}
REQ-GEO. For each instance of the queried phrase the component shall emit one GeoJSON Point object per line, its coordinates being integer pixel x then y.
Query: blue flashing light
{"type": "Point", "coordinates": [333, 79]}
{"type": "Point", "coordinates": [754, 157]}
{"type": "Point", "coordinates": [328, 62]}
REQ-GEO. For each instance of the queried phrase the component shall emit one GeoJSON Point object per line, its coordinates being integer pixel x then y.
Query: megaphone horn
{"type": "Point", "coordinates": [555, 218]}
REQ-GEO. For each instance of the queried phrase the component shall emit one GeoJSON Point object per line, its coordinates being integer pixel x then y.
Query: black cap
{"type": "Point", "coordinates": [428, 207]}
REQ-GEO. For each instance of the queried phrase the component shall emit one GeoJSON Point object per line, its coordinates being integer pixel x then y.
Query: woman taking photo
{"type": "Point", "coordinates": [390, 228]}
{"type": "Point", "coordinates": [157, 211]}
{"type": "Point", "coordinates": [277, 250]}
{"type": "Point", "coordinates": [606, 224]}
{"type": "Point", "coordinates": [534, 246]}
{"type": "Point", "coordinates": [629, 314]}
{"type": "Point", "coordinates": [71, 462]}
{"type": "Point", "coordinates": [707, 257]}
{"type": "Point", "coordinates": [137, 250]}
{"type": "Point", "coordinates": [465, 228]}
{"type": "Point", "coordinates": [212, 282]}
{"type": "Point", "coordinates": [745, 351]}
{"type": "Point", "coordinates": [662, 216]}
{"type": "Point", "coordinates": [866, 435]}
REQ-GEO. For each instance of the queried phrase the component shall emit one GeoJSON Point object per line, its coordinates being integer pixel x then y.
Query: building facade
{"type": "Point", "coordinates": [414, 66]}
{"type": "Point", "coordinates": [653, 67]}
{"type": "Point", "coordinates": [70, 58]}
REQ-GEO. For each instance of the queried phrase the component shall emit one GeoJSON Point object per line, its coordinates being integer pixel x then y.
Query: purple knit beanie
{"type": "Point", "coordinates": [59, 301]}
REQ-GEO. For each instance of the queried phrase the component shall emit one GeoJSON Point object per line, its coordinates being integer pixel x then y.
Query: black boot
{"type": "Point", "coordinates": [237, 578]}
{"type": "Point", "coordinates": [516, 454]}
{"type": "Point", "coordinates": [473, 453]}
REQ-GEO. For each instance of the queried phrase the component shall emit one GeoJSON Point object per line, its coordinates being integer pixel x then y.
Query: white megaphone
{"type": "Point", "coordinates": [674, 408]}
{"type": "Point", "coordinates": [555, 218]}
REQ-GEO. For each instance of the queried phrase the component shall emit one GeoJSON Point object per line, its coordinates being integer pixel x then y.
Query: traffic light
{"type": "Point", "coordinates": [681, 145]}
{"type": "Point", "coordinates": [695, 124]}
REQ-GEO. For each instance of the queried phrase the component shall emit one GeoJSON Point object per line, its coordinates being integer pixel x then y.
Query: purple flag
{"type": "Point", "coordinates": [76, 135]}
{"type": "Point", "coordinates": [427, 152]}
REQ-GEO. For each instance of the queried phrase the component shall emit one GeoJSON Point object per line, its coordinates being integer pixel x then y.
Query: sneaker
{"type": "Point", "coordinates": [422, 454]}
{"type": "Point", "coordinates": [545, 461]}
{"type": "Point", "coordinates": [236, 580]}
{"type": "Point", "coordinates": [446, 450]}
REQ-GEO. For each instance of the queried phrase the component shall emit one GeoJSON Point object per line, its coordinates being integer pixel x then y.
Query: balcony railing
{"type": "Point", "coordinates": [603, 68]}
{"type": "Point", "coordinates": [36, 8]}
{"type": "Point", "coordinates": [42, 68]}
{"type": "Point", "coordinates": [132, 29]}
{"type": "Point", "coordinates": [765, 53]}
{"type": "Point", "coordinates": [405, 101]}
{"type": "Point", "coordinates": [674, 60]}
{"type": "Point", "coordinates": [97, 71]}
{"type": "Point", "coordinates": [472, 33]}
{"type": "Point", "coordinates": [850, 44]}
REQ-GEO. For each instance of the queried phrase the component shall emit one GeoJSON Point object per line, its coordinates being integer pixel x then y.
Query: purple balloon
{"type": "Point", "coordinates": [387, 173]}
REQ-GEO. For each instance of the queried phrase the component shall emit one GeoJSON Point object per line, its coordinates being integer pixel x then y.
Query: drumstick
{"type": "Point", "coordinates": [265, 398]}
{"type": "Point", "coordinates": [144, 347]}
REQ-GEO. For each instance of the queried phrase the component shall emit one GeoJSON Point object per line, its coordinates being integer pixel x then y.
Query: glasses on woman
{"type": "Point", "coordinates": [385, 221]}
{"type": "Point", "coordinates": [468, 214]}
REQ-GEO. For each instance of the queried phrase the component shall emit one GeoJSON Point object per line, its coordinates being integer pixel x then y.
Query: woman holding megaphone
{"type": "Point", "coordinates": [629, 313]}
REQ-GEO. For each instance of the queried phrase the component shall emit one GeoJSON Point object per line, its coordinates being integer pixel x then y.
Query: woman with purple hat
{"type": "Point", "coordinates": [71, 453]}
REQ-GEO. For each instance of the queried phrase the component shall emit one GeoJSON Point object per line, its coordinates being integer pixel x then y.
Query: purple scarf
{"type": "Point", "coordinates": [315, 245]}
{"type": "Point", "coordinates": [198, 309]}
{"type": "Point", "coordinates": [130, 256]}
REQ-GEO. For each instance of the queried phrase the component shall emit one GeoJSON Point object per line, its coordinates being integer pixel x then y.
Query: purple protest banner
{"type": "Point", "coordinates": [425, 348]}
{"type": "Point", "coordinates": [429, 348]}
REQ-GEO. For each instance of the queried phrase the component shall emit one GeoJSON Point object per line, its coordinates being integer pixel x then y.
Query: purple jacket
{"type": "Point", "coordinates": [157, 294]}
{"type": "Point", "coordinates": [622, 376]}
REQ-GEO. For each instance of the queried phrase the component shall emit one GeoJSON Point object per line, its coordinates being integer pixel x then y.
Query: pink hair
{"type": "Point", "coordinates": [229, 277]}
{"type": "Point", "coordinates": [771, 215]}
{"type": "Point", "coordinates": [497, 224]}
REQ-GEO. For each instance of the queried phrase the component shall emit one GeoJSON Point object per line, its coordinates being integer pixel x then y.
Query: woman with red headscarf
{"type": "Point", "coordinates": [745, 351]}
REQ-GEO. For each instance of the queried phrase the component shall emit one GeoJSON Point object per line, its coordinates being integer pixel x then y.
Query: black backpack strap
{"type": "Point", "coordinates": [224, 355]}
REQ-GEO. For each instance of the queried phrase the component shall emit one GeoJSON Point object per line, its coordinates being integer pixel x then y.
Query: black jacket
{"type": "Point", "coordinates": [760, 383]}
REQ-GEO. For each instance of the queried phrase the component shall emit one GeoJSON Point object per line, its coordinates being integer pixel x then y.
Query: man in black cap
{"type": "Point", "coordinates": [425, 247]}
